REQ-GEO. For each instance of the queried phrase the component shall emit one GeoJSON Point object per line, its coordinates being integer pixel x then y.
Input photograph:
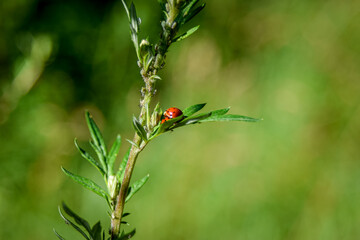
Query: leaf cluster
{"type": "Point", "coordinates": [104, 163]}
{"type": "Point", "coordinates": [96, 232]}
{"type": "Point", "coordinates": [189, 117]}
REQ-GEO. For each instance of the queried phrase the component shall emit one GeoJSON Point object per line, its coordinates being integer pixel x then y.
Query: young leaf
{"type": "Point", "coordinates": [77, 218]}
{"type": "Point", "coordinates": [193, 13]}
{"type": "Point", "coordinates": [139, 129]}
{"type": "Point", "coordinates": [126, 9]}
{"type": "Point", "coordinates": [127, 235]}
{"type": "Point", "coordinates": [113, 154]}
{"type": "Point", "coordinates": [134, 20]}
{"type": "Point", "coordinates": [67, 221]}
{"type": "Point", "coordinates": [132, 143]}
{"type": "Point", "coordinates": [169, 123]}
{"type": "Point", "coordinates": [229, 117]}
{"type": "Point", "coordinates": [193, 109]}
{"type": "Point", "coordinates": [192, 119]}
{"type": "Point", "coordinates": [95, 134]}
{"type": "Point", "coordinates": [96, 231]}
{"type": "Point", "coordinates": [220, 112]}
{"type": "Point", "coordinates": [99, 153]}
{"type": "Point", "coordinates": [136, 187]}
{"type": "Point", "coordinates": [120, 173]}
{"type": "Point", "coordinates": [90, 159]}
{"type": "Point", "coordinates": [186, 34]}
{"type": "Point", "coordinates": [58, 235]}
{"type": "Point", "coordinates": [188, 7]}
{"type": "Point", "coordinates": [87, 183]}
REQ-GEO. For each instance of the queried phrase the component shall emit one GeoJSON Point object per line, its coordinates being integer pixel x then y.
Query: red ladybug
{"type": "Point", "coordinates": [170, 113]}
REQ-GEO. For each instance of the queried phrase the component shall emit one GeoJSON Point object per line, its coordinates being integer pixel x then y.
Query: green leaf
{"type": "Point", "coordinates": [96, 231]}
{"type": "Point", "coordinates": [193, 109]}
{"type": "Point", "coordinates": [99, 153]}
{"type": "Point", "coordinates": [229, 117]}
{"type": "Point", "coordinates": [188, 7]}
{"type": "Point", "coordinates": [220, 112]}
{"type": "Point", "coordinates": [193, 13]}
{"type": "Point", "coordinates": [127, 235]}
{"type": "Point", "coordinates": [67, 221]}
{"type": "Point", "coordinates": [136, 187]}
{"type": "Point", "coordinates": [139, 129]}
{"type": "Point", "coordinates": [87, 183]}
{"type": "Point", "coordinates": [113, 154]}
{"type": "Point", "coordinates": [192, 119]}
{"type": "Point", "coordinates": [132, 143]}
{"type": "Point", "coordinates": [126, 9]}
{"type": "Point", "coordinates": [77, 218]}
{"type": "Point", "coordinates": [186, 34]}
{"type": "Point", "coordinates": [90, 159]}
{"type": "Point", "coordinates": [96, 134]}
{"type": "Point", "coordinates": [169, 123]}
{"type": "Point", "coordinates": [58, 235]}
{"type": "Point", "coordinates": [134, 20]}
{"type": "Point", "coordinates": [120, 173]}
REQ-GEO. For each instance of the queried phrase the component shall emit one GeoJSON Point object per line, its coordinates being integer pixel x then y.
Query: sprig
{"type": "Point", "coordinates": [147, 126]}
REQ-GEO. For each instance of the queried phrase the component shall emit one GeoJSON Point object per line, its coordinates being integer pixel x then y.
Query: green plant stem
{"type": "Point", "coordinates": [147, 93]}
{"type": "Point", "coordinates": [120, 200]}
{"type": "Point", "coordinates": [134, 153]}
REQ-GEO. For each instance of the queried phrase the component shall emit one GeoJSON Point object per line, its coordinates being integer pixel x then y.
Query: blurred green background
{"type": "Point", "coordinates": [295, 175]}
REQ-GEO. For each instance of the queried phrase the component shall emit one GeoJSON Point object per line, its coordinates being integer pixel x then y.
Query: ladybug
{"type": "Point", "coordinates": [170, 113]}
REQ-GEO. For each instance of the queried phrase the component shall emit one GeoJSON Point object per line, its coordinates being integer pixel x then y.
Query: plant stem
{"type": "Point", "coordinates": [134, 153]}
{"type": "Point", "coordinates": [147, 93]}
{"type": "Point", "coordinates": [120, 200]}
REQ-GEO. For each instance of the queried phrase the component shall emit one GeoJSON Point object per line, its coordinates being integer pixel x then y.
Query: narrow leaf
{"type": "Point", "coordinates": [90, 159]}
{"type": "Point", "coordinates": [189, 6]}
{"type": "Point", "coordinates": [186, 34]}
{"type": "Point", "coordinates": [127, 235]}
{"type": "Point", "coordinates": [139, 129]}
{"type": "Point", "coordinates": [220, 112]}
{"type": "Point", "coordinates": [132, 143]}
{"type": "Point", "coordinates": [58, 235]}
{"type": "Point", "coordinates": [193, 109]}
{"type": "Point", "coordinates": [194, 13]}
{"type": "Point", "coordinates": [67, 221]}
{"type": "Point", "coordinates": [126, 9]}
{"type": "Point", "coordinates": [87, 183]}
{"type": "Point", "coordinates": [96, 231]}
{"type": "Point", "coordinates": [99, 153]}
{"type": "Point", "coordinates": [134, 20]}
{"type": "Point", "coordinates": [193, 119]}
{"type": "Point", "coordinates": [113, 154]}
{"type": "Point", "coordinates": [169, 123]}
{"type": "Point", "coordinates": [229, 117]}
{"type": "Point", "coordinates": [120, 173]}
{"type": "Point", "coordinates": [77, 218]}
{"type": "Point", "coordinates": [95, 133]}
{"type": "Point", "coordinates": [136, 187]}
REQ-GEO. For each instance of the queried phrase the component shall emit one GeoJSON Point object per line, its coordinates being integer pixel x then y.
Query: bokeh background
{"type": "Point", "coordinates": [295, 175]}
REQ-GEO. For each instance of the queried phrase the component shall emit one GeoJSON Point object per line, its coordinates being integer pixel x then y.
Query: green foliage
{"type": "Point", "coordinates": [125, 236]}
{"type": "Point", "coordinates": [136, 187]}
{"type": "Point", "coordinates": [139, 129]}
{"type": "Point", "coordinates": [188, 118]}
{"type": "Point", "coordinates": [113, 182]}
{"type": "Point", "coordinates": [113, 154]}
{"type": "Point", "coordinates": [87, 183]}
{"type": "Point", "coordinates": [88, 157]}
{"type": "Point", "coordinates": [92, 233]}
{"type": "Point", "coordinates": [120, 173]}
{"type": "Point", "coordinates": [148, 126]}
